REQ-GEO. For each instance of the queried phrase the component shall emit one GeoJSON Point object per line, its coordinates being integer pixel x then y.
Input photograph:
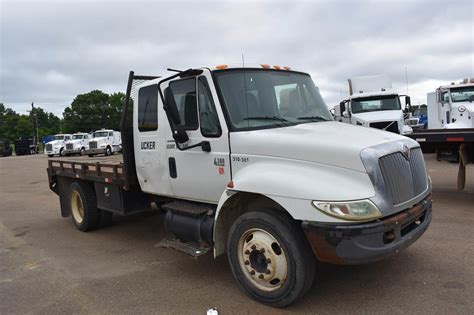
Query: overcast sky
{"type": "Point", "coordinates": [53, 50]}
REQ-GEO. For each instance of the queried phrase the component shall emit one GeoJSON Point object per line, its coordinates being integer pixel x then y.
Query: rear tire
{"type": "Point", "coordinates": [270, 257]}
{"type": "Point", "coordinates": [83, 207]}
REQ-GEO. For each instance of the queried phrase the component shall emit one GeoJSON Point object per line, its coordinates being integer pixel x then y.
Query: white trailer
{"type": "Point", "coordinates": [58, 145]}
{"type": "Point", "coordinates": [246, 168]}
{"type": "Point", "coordinates": [373, 103]}
{"type": "Point", "coordinates": [105, 141]}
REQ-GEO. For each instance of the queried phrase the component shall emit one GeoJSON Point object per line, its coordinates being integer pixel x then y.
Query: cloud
{"type": "Point", "coordinates": [53, 50]}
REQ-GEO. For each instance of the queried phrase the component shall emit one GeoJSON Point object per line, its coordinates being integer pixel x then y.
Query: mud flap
{"type": "Point", "coordinates": [463, 161]}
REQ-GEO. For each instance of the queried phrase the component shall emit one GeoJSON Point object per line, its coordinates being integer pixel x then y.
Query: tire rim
{"type": "Point", "coordinates": [82, 151]}
{"type": "Point", "coordinates": [262, 260]}
{"type": "Point", "coordinates": [77, 208]}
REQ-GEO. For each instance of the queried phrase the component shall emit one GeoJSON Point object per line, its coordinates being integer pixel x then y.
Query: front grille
{"type": "Point", "coordinates": [69, 146]}
{"type": "Point", "coordinates": [49, 147]}
{"type": "Point", "coordinates": [386, 125]}
{"type": "Point", "coordinates": [404, 178]}
{"type": "Point", "coordinates": [93, 145]}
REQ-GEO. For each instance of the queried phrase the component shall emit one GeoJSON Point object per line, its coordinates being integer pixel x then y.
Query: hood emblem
{"type": "Point", "coordinates": [406, 152]}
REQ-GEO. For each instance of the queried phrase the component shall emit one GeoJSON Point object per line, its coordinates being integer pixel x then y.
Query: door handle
{"type": "Point", "coordinates": [172, 167]}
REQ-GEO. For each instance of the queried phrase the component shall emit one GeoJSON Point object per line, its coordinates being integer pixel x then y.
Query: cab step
{"type": "Point", "coordinates": [193, 250]}
{"type": "Point", "coordinates": [190, 208]}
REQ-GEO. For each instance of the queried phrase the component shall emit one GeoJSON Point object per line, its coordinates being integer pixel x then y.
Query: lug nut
{"type": "Point", "coordinates": [252, 272]}
{"type": "Point", "coordinates": [267, 271]}
{"type": "Point", "coordinates": [247, 252]}
{"type": "Point", "coordinates": [247, 262]}
{"type": "Point", "coordinates": [268, 261]}
{"type": "Point", "coordinates": [253, 247]}
{"type": "Point", "coordinates": [260, 276]}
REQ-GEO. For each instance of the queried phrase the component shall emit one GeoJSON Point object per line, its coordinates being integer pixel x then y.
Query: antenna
{"type": "Point", "coordinates": [406, 77]}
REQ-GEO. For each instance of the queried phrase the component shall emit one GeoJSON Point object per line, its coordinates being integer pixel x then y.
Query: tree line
{"type": "Point", "coordinates": [87, 112]}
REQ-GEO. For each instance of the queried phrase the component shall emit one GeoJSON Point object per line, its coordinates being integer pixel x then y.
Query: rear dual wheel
{"type": "Point", "coordinates": [83, 207]}
{"type": "Point", "coordinates": [270, 257]}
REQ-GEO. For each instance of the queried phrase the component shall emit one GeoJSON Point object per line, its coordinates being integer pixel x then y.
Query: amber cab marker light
{"type": "Point", "coordinates": [220, 67]}
{"type": "Point", "coordinates": [277, 67]}
{"type": "Point", "coordinates": [286, 68]}
{"type": "Point", "coordinates": [230, 184]}
{"type": "Point", "coordinates": [265, 66]}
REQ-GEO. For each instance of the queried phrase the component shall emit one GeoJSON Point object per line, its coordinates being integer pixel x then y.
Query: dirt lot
{"type": "Point", "coordinates": [47, 266]}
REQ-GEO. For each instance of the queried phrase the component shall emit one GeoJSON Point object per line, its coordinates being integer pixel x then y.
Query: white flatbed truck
{"type": "Point", "coordinates": [248, 162]}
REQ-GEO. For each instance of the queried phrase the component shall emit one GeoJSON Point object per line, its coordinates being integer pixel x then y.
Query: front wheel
{"type": "Point", "coordinates": [270, 257]}
{"type": "Point", "coordinates": [82, 152]}
{"type": "Point", "coordinates": [62, 152]}
{"type": "Point", "coordinates": [108, 151]}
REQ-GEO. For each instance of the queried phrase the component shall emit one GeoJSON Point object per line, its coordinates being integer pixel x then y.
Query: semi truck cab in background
{"type": "Point", "coordinates": [78, 144]}
{"type": "Point", "coordinates": [373, 103]}
{"type": "Point", "coordinates": [104, 141]}
{"type": "Point", "coordinates": [248, 162]}
{"type": "Point", "coordinates": [58, 145]}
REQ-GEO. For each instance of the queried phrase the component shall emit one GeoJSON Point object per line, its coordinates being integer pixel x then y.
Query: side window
{"type": "Point", "coordinates": [184, 92]}
{"type": "Point", "coordinates": [210, 126]}
{"type": "Point", "coordinates": [148, 108]}
{"type": "Point", "coordinates": [445, 97]}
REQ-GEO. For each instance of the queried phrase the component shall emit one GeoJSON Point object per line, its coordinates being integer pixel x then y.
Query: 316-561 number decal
{"type": "Point", "coordinates": [240, 159]}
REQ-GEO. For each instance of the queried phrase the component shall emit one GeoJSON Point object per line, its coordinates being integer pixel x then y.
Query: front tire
{"type": "Point", "coordinates": [62, 152]}
{"type": "Point", "coordinates": [108, 151]}
{"type": "Point", "coordinates": [82, 152]}
{"type": "Point", "coordinates": [270, 257]}
{"type": "Point", "coordinates": [83, 207]}
{"type": "Point", "coordinates": [50, 155]}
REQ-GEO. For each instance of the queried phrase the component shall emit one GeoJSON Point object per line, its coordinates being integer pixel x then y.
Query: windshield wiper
{"type": "Point", "coordinates": [269, 118]}
{"type": "Point", "coordinates": [314, 118]}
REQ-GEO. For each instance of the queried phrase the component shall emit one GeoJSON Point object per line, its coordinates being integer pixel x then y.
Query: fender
{"type": "Point", "coordinates": [293, 185]}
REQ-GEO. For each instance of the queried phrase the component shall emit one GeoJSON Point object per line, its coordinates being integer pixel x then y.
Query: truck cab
{"type": "Point", "coordinates": [373, 103]}
{"type": "Point", "coordinates": [58, 145]}
{"type": "Point", "coordinates": [248, 162]}
{"type": "Point", "coordinates": [78, 144]}
{"type": "Point", "coordinates": [451, 106]}
{"type": "Point", "coordinates": [104, 141]}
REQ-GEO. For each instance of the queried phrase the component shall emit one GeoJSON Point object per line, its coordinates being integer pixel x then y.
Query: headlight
{"type": "Point", "coordinates": [349, 210]}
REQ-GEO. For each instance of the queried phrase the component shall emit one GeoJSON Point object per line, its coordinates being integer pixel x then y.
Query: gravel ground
{"type": "Point", "coordinates": [47, 266]}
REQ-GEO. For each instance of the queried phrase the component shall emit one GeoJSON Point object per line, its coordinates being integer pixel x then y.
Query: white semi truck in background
{"type": "Point", "coordinates": [373, 103]}
{"type": "Point", "coordinates": [105, 141]}
{"type": "Point", "coordinates": [58, 145]}
{"type": "Point", "coordinates": [450, 131]}
{"type": "Point", "coordinates": [248, 162]}
{"type": "Point", "coordinates": [78, 144]}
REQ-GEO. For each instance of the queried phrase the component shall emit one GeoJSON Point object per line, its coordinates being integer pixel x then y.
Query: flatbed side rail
{"type": "Point", "coordinates": [443, 135]}
{"type": "Point", "coordinates": [111, 173]}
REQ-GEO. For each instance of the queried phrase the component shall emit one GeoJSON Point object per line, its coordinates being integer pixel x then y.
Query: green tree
{"type": "Point", "coordinates": [92, 111]}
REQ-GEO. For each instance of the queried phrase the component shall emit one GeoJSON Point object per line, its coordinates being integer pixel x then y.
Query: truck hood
{"type": "Point", "coordinates": [56, 142]}
{"type": "Point", "coordinates": [383, 115]}
{"type": "Point", "coordinates": [332, 143]}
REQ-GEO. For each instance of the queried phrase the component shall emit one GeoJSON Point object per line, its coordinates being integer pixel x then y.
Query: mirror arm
{"type": "Point", "coordinates": [205, 145]}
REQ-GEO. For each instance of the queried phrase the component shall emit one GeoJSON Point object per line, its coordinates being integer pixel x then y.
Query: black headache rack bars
{"type": "Point", "coordinates": [126, 127]}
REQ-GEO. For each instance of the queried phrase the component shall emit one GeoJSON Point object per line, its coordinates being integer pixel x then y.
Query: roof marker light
{"type": "Point", "coordinates": [220, 67]}
{"type": "Point", "coordinates": [277, 67]}
{"type": "Point", "coordinates": [265, 66]}
{"type": "Point", "coordinates": [286, 68]}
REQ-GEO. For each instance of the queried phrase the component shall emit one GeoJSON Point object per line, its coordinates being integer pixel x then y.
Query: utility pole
{"type": "Point", "coordinates": [33, 112]}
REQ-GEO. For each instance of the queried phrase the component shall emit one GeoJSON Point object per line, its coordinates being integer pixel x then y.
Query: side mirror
{"type": "Point", "coordinates": [180, 135]}
{"type": "Point", "coordinates": [346, 114]}
{"type": "Point", "coordinates": [342, 107]}
{"type": "Point", "coordinates": [171, 108]}
{"type": "Point", "coordinates": [333, 112]}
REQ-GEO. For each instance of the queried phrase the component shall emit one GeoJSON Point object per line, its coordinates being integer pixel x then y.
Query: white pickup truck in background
{"type": "Point", "coordinates": [249, 163]}
{"type": "Point", "coordinates": [373, 103]}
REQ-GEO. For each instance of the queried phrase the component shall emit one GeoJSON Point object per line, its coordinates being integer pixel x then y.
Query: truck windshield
{"type": "Point", "coordinates": [462, 94]}
{"type": "Point", "coordinates": [100, 134]}
{"type": "Point", "coordinates": [375, 103]}
{"type": "Point", "coordinates": [76, 137]}
{"type": "Point", "coordinates": [58, 138]}
{"type": "Point", "coordinates": [259, 98]}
